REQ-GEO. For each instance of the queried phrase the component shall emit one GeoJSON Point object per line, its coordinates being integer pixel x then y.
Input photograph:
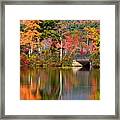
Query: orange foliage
{"type": "Point", "coordinates": [31, 35]}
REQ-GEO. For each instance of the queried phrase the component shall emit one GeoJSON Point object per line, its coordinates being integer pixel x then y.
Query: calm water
{"type": "Point", "coordinates": [59, 84]}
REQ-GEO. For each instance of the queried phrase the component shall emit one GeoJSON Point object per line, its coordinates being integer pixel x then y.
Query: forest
{"type": "Point", "coordinates": [56, 43]}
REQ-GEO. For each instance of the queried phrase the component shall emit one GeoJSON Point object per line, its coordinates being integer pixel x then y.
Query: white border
{"type": "Point", "coordinates": [106, 15]}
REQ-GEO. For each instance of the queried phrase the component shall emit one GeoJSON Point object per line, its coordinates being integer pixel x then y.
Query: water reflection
{"type": "Point", "coordinates": [59, 84]}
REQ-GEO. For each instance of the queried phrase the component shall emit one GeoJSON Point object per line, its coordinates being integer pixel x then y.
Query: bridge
{"type": "Point", "coordinates": [84, 60]}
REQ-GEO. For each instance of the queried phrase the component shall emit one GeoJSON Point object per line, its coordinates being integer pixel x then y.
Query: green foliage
{"type": "Point", "coordinates": [95, 58]}
{"type": "Point", "coordinates": [22, 27]}
{"type": "Point", "coordinates": [74, 26]}
{"type": "Point", "coordinates": [48, 29]}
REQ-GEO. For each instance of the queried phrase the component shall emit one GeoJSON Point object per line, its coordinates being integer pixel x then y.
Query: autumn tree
{"type": "Point", "coordinates": [29, 35]}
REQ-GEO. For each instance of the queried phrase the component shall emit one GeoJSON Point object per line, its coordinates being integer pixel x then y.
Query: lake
{"type": "Point", "coordinates": [59, 84]}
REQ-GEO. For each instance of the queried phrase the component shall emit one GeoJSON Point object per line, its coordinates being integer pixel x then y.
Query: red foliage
{"type": "Point", "coordinates": [71, 42]}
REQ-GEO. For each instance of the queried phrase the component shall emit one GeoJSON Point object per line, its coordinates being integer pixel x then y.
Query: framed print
{"type": "Point", "coordinates": [59, 59]}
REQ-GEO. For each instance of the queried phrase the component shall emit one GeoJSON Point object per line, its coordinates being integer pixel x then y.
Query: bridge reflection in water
{"type": "Point", "coordinates": [59, 84]}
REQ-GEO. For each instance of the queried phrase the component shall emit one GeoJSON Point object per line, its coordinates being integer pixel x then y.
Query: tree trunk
{"type": "Point", "coordinates": [61, 52]}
